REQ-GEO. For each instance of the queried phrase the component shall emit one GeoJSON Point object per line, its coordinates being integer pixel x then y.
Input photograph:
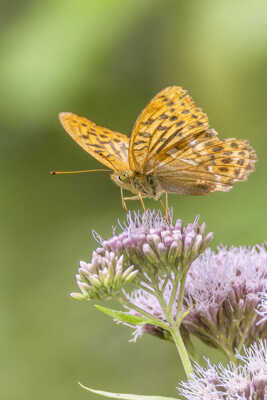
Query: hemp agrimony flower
{"type": "Point", "coordinates": [155, 246]}
{"type": "Point", "coordinates": [223, 289]}
{"type": "Point", "coordinates": [246, 381]}
{"type": "Point", "coordinates": [222, 292]}
{"type": "Point", "coordinates": [155, 255]}
{"type": "Point", "coordinates": [262, 309]}
{"type": "Point", "coordinates": [179, 289]}
{"type": "Point", "coordinates": [103, 277]}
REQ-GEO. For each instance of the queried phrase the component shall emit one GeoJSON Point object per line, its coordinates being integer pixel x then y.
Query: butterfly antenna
{"type": "Point", "coordinates": [78, 172]}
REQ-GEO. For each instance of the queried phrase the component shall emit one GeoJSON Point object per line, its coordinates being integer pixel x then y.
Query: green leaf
{"type": "Point", "coordinates": [125, 396]}
{"type": "Point", "coordinates": [125, 317]}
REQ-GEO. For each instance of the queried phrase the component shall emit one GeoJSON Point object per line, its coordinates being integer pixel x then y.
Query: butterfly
{"type": "Point", "coordinates": [172, 149]}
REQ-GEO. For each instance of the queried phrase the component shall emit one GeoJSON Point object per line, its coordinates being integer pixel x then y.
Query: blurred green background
{"type": "Point", "coordinates": [105, 59]}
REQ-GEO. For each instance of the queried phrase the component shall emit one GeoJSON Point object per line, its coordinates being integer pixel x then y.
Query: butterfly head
{"type": "Point", "coordinates": [122, 179]}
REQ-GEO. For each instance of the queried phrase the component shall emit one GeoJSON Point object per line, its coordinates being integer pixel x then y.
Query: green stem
{"type": "Point", "coordinates": [160, 297]}
{"type": "Point", "coordinates": [246, 329]}
{"type": "Point", "coordinates": [175, 284]}
{"type": "Point", "coordinates": [156, 321]}
{"type": "Point", "coordinates": [147, 289]}
{"type": "Point", "coordinates": [174, 330]}
{"type": "Point", "coordinates": [176, 335]}
{"type": "Point", "coordinates": [180, 300]}
{"type": "Point", "coordinates": [165, 284]}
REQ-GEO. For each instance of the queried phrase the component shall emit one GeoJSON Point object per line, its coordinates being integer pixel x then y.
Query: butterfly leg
{"type": "Point", "coordinates": [123, 201]}
{"type": "Point", "coordinates": [162, 205]}
{"type": "Point", "coordinates": [167, 201]}
{"type": "Point", "coordinates": [144, 207]}
{"type": "Point", "coordinates": [166, 207]}
{"type": "Point", "coordinates": [138, 197]}
{"type": "Point", "coordinates": [142, 201]}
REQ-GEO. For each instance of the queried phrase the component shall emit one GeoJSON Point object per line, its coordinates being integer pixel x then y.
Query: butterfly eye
{"type": "Point", "coordinates": [123, 177]}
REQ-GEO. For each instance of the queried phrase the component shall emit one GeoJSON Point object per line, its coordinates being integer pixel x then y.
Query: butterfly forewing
{"type": "Point", "coordinates": [108, 147]}
{"type": "Point", "coordinates": [170, 118]}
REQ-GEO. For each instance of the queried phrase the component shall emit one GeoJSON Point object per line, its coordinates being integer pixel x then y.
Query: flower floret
{"type": "Point", "coordinates": [104, 276]}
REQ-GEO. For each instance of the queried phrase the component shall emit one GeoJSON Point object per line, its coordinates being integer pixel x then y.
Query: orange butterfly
{"type": "Point", "coordinates": [172, 149]}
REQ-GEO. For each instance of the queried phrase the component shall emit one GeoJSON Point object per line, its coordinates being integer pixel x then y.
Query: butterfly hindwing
{"type": "Point", "coordinates": [206, 165]}
{"type": "Point", "coordinates": [172, 140]}
{"type": "Point", "coordinates": [108, 147]}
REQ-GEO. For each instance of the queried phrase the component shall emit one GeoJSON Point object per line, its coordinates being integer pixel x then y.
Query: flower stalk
{"type": "Point", "coordinates": [177, 338]}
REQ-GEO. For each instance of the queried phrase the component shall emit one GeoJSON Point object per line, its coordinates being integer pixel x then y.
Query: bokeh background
{"type": "Point", "coordinates": [105, 60]}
